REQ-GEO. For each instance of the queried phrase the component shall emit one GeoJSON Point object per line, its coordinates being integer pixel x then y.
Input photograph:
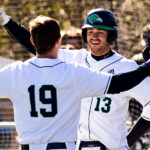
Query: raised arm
{"type": "Point", "coordinates": [17, 32]}
{"type": "Point", "coordinates": [125, 81]}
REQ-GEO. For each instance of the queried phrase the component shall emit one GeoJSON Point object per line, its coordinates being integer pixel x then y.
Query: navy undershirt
{"type": "Point", "coordinates": [110, 53]}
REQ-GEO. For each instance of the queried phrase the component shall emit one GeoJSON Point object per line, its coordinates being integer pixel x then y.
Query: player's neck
{"type": "Point", "coordinates": [52, 54]}
{"type": "Point", "coordinates": [108, 54]}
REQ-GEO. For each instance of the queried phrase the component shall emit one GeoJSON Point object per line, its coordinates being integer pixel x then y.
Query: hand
{"type": "Point", "coordinates": [148, 41]}
{"type": "Point", "coordinates": [148, 62]}
{"type": "Point", "coordinates": [146, 52]}
{"type": "Point", "coordinates": [3, 17]}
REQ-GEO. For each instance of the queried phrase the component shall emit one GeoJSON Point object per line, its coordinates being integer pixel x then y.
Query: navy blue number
{"type": "Point", "coordinates": [50, 100]}
{"type": "Point", "coordinates": [106, 107]}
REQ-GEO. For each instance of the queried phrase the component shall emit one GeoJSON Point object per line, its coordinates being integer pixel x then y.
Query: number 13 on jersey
{"type": "Point", "coordinates": [105, 108]}
{"type": "Point", "coordinates": [51, 100]}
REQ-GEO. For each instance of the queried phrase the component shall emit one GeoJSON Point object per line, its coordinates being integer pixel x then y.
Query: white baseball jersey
{"type": "Point", "coordinates": [104, 118]}
{"type": "Point", "coordinates": [46, 96]}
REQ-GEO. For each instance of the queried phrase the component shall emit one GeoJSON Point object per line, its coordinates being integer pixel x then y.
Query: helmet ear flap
{"type": "Point", "coordinates": [84, 35]}
{"type": "Point", "coordinates": [112, 36]}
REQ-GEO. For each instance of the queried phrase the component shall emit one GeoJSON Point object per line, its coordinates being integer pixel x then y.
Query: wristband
{"type": "Point", "coordinates": [4, 19]}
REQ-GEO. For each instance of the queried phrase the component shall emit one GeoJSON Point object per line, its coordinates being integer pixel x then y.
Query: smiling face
{"type": "Point", "coordinates": [97, 41]}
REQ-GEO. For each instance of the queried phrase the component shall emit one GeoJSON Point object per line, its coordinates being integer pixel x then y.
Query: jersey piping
{"type": "Point", "coordinates": [87, 60]}
{"type": "Point", "coordinates": [108, 83]}
{"type": "Point", "coordinates": [146, 118]}
{"type": "Point", "coordinates": [111, 63]}
{"type": "Point", "coordinates": [147, 104]}
{"type": "Point", "coordinates": [89, 117]}
{"type": "Point", "coordinates": [46, 66]}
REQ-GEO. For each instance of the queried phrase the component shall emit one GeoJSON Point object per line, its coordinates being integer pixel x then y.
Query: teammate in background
{"type": "Point", "coordinates": [145, 42]}
{"type": "Point", "coordinates": [135, 108]}
{"type": "Point", "coordinates": [102, 119]}
{"type": "Point", "coordinates": [72, 40]}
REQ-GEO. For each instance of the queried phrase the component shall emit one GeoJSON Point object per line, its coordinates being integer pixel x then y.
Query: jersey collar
{"type": "Point", "coordinates": [97, 58]}
{"type": "Point", "coordinates": [98, 65]}
{"type": "Point", "coordinates": [45, 62]}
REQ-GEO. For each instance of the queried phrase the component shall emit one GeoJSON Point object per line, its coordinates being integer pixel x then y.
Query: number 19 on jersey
{"type": "Point", "coordinates": [51, 100]}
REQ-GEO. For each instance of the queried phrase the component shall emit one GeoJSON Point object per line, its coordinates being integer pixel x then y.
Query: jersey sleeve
{"type": "Point", "coordinates": [141, 92]}
{"type": "Point", "coordinates": [90, 83]}
{"type": "Point", "coordinates": [20, 35]}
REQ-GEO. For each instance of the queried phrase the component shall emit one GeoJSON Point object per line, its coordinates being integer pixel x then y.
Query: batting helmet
{"type": "Point", "coordinates": [101, 19]}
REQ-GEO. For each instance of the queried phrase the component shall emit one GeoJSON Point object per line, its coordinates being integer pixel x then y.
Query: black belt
{"type": "Point", "coordinates": [92, 144]}
{"type": "Point", "coordinates": [49, 146]}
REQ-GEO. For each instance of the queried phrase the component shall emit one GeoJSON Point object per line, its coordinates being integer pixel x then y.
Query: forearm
{"type": "Point", "coordinates": [125, 81]}
{"type": "Point", "coordinates": [20, 34]}
{"type": "Point", "coordinates": [138, 130]}
{"type": "Point", "coordinates": [146, 50]}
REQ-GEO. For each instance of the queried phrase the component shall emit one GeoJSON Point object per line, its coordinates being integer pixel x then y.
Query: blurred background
{"type": "Point", "coordinates": [132, 17]}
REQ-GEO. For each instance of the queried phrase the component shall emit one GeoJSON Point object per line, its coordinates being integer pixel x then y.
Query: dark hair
{"type": "Point", "coordinates": [45, 32]}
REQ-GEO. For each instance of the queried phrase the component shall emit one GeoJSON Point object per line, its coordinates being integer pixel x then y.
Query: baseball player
{"type": "Point", "coordinates": [103, 119]}
{"type": "Point", "coordinates": [135, 109]}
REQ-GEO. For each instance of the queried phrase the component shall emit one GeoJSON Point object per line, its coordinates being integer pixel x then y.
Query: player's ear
{"type": "Point", "coordinates": [58, 42]}
{"type": "Point", "coordinates": [31, 40]}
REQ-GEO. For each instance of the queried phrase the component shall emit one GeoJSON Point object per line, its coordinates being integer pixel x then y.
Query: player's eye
{"type": "Point", "coordinates": [90, 32]}
{"type": "Point", "coordinates": [100, 33]}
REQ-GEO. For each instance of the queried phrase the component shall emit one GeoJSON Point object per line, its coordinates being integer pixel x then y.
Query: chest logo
{"type": "Point", "coordinates": [112, 71]}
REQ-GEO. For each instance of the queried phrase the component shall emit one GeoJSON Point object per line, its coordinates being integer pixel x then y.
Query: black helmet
{"type": "Point", "coordinates": [101, 19]}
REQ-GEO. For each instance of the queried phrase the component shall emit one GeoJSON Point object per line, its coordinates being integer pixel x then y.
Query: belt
{"type": "Point", "coordinates": [49, 146]}
{"type": "Point", "coordinates": [92, 144]}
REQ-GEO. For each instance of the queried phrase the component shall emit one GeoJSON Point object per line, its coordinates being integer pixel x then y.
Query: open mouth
{"type": "Point", "coordinates": [95, 42]}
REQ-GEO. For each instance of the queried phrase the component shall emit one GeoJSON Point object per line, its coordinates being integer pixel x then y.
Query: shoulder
{"type": "Point", "coordinates": [125, 62]}
{"type": "Point", "coordinates": [72, 55]}
{"type": "Point", "coordinates": [13, 65]}
{"type": "Point", "coordinates": [71, 52]}
{"type": "Point", "coordinates": [11, 68]}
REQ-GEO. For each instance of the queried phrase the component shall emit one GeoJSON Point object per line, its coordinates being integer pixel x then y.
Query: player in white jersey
{"type": "Point", "coordinates": [113, 132]}
{"type": "Point", "coordinates": [41, 91]}
{"type": "Point", "coordinates": [100, 28]}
